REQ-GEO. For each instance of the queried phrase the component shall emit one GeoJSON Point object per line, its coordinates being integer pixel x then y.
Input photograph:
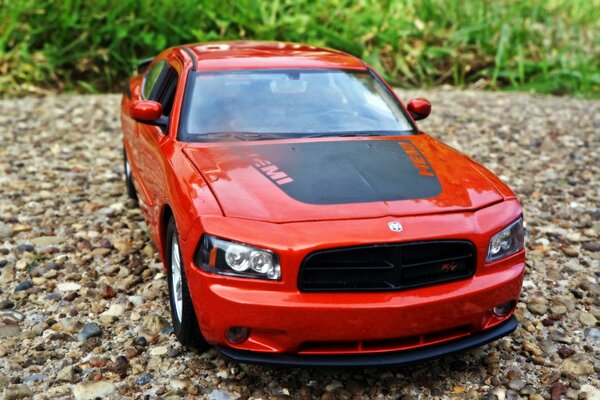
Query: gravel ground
{"type": "Point", "coordinates": [83, 299]}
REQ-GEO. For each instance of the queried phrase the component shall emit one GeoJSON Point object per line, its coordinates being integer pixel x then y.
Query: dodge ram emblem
{"type": "Point", "coordinates": [395, 226]}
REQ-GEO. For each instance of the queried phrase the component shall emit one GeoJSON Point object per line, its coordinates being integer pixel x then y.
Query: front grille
{"type": "Point", "coordinates": [387, 266]}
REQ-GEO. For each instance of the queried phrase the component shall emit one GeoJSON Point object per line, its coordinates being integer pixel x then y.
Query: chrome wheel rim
{"type": "Point", "coordinates": [176, 277]}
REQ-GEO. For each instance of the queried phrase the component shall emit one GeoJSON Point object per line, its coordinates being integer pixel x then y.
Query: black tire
{"type": "Point", "coordinates": [128, 179]}
{"type": "Point", "coordinates": [186, 327]}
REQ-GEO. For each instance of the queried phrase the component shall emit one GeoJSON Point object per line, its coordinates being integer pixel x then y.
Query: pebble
{"type": "Point", "coordinates": [217, 394]}
{"type": "Point", "coordinates": [140, 341]}
{"type": "Point", "coordinates": [89, 330]}
{"type": "Point", "coordinates": [7, 331]}
{"type": "Point", "coordinates": [159, 351]}
{"type": "Point", "coordinates": [115, 310]}
{"type": "Point", "coordinates": [68, 286]}
{"type": "Point", "coordinates": [572, 367]}
{"type": "Point", "coordinates": [591, 246]}
{"type": "Point", "coordinates": [108, 292]}
{"type": "Point", "coordinates": [90, 390]}
{"type": "Point", "coordinates": [23, 286]}
{"type": "Point", "coordinates": [25, 248]}
{"type": "Point", "coordinates": [18, 392]}
{"type": "Point", "coordinates": [66, 374]}
{"type": "Point", "coordinates": [144, 379]}
{"type": "Point", "coordinates": [6, 304]}
{"type": "Point", "coordinates": [592, 335]}
{"type": "Point", "coordinates": [587, 319]}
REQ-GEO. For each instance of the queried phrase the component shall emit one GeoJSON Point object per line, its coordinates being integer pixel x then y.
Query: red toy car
{"type": "Point", "coordinates": [304, 219]}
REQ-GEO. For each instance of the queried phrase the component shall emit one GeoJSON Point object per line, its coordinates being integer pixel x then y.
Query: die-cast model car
{"type": "Point", "coordinates": [304, 219]}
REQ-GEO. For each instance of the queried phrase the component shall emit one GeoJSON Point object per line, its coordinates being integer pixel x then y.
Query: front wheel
{"type": "Point", "coordinates": [183, 316]}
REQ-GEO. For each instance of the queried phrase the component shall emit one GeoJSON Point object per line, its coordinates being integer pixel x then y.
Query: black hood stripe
{"type": "Point", "coordinates": [354, 171]}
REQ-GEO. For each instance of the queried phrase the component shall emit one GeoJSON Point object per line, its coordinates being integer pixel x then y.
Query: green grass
{"type": "Point", "coordinates": [546, 46]}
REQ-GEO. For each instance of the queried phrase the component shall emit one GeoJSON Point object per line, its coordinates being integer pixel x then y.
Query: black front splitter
{"type": "Point", "coordinates": [373, 360]}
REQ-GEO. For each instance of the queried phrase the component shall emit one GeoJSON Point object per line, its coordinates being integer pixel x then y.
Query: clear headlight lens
{"type": "Point", "coordinates": [236, 259]}
{"type": "Point", "coordinates": [508, 241]}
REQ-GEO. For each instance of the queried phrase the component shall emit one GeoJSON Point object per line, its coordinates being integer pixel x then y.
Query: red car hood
{"type": "Point", "coordinates": [341, 178]}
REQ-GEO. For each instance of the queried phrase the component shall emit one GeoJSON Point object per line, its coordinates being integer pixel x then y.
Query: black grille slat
{"type": "Point", "coordinates": [387, 266]}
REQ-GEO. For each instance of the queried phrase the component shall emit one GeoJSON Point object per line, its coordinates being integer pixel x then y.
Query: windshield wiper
{"type": "Point", "coordinates": [352, 133]}
{"type": "Point", "coordinates": [237, 136]}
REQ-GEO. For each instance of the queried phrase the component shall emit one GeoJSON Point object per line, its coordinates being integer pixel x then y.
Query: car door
{"type": "Point", "coordinates": [152, 138]}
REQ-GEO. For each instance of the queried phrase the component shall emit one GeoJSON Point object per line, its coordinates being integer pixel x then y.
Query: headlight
{"type": "Point", "coordinates": [236, 259]}
{"type": "Point", "coordinates": [506, 242]}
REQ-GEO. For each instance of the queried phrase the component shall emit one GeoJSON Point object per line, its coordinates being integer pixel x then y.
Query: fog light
{"type": "Point", "coordinates": [237, 334]}
{"type": "Point", "coordinates": [504, 309]}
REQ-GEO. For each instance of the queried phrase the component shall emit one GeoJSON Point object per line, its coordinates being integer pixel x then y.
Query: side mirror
{"type": "Point", "coordinates": [148, 112]}
{"type": "Point", "coordinates": [419, 108]}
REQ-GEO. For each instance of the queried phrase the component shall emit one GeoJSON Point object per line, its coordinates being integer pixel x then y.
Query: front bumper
{"type": "Point", "coordinates": [386, 328]}
{"type": "Point", "coordinates": [373, 360]}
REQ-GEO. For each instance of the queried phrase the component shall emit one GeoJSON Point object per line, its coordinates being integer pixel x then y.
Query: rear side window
{"type": "Point", "coordinates": [151, 78]}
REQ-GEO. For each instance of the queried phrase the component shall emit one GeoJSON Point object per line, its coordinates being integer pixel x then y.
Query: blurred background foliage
{"type": "Point", "coordinates": [546, 46]}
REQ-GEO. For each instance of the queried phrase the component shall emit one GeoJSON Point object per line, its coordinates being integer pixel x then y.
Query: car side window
{"type": "Point", "coordinates": [151, 78]}
{"type": "Point", "coordinates": [166, 92]}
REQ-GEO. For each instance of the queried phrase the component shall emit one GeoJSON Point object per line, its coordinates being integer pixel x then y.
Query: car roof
{"type": "Point", "coordinates": [245, 54]}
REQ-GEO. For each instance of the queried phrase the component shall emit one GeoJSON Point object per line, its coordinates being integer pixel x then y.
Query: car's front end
{"type": "Point", "coordinates": [435, 289]}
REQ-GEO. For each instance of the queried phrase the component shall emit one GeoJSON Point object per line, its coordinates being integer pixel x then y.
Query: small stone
{"type": "Point", "coordinates": [557, 390]}
{"type": "Point", "coordinates": [22, 248]}
{"type": "Point", "coordinates": [115, 310]}
{"type": "Point", "coordinates": [98, 362]}
{"type": "Point", "coordinates": [68, 286]}
{"type": "Point", "coordinates": [592, 335]}
{"type": "Point", "coordinates": [516, 384]}
{"type": "Point", "coordinates": [71, 296]}
{"type": "Point", "coordinates": [108, 292]}
{"type": "Point", "coordinates": [587, 319]}
{"type": "Point", "coordinates": [570, 251]}
{"type": "Point", "coordinates": [174, 351]}
{"type": "Point", "coordinates": [21, 228]}
{"type": "Point", "coordinates": [3, 263]}
{"type": "Point", "coordinates": [154, 323]}
{"type": "Point", "coordinates": [66, 374]}
{"type": "Point", "coordinates": [158, 351]}
{"type": "Point", "coordinates": [136, 300]}
{"type": "Point", "coordinates": [91, 390]}
{"type": "Point", "coordinates": [140, 341]}
{"type": "Point", "coordinates": [217, 394]}
{"type": "Point", "coordinates": [34, 378]}
{"type": "Point", "coordinates": [143, 379]}
{"type": "Point", "coordinates": [591, 246]}
{"type": "Point", "coordinates": [592, 393]}
{"type": "Point", "coordinates": [89, 330]}
{"type": "Point", "coordinates": [9, 331]}
{"type": "Point", "coordinates": [6, 304]}
{"type": "Point", "coordinates": [573, 367]}
{"type": "Point", "coordinates": [558, 309]}
{"type": "Point", "coordinates": [179, 384]}
{"type": "Point", "coordinates": [18, 392]}
{"type": "Point", "coordinates": [565, 352]}
{"type": "Point", "coordinates": [532, 348]}
{"type": "Point", "coordinates": [23, 286]}
{"type": "Point", "coordinates": [45, 241]}
{"type": "Point", "coordinates": [537, 308]}
{"type": "Point", "coordinates": [131, 352]}
{"type": "Point", "coordinates": [5, 231]}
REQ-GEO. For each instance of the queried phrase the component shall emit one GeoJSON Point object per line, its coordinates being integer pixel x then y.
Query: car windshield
{"type": "Point", "coordinates": [263, 104]}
